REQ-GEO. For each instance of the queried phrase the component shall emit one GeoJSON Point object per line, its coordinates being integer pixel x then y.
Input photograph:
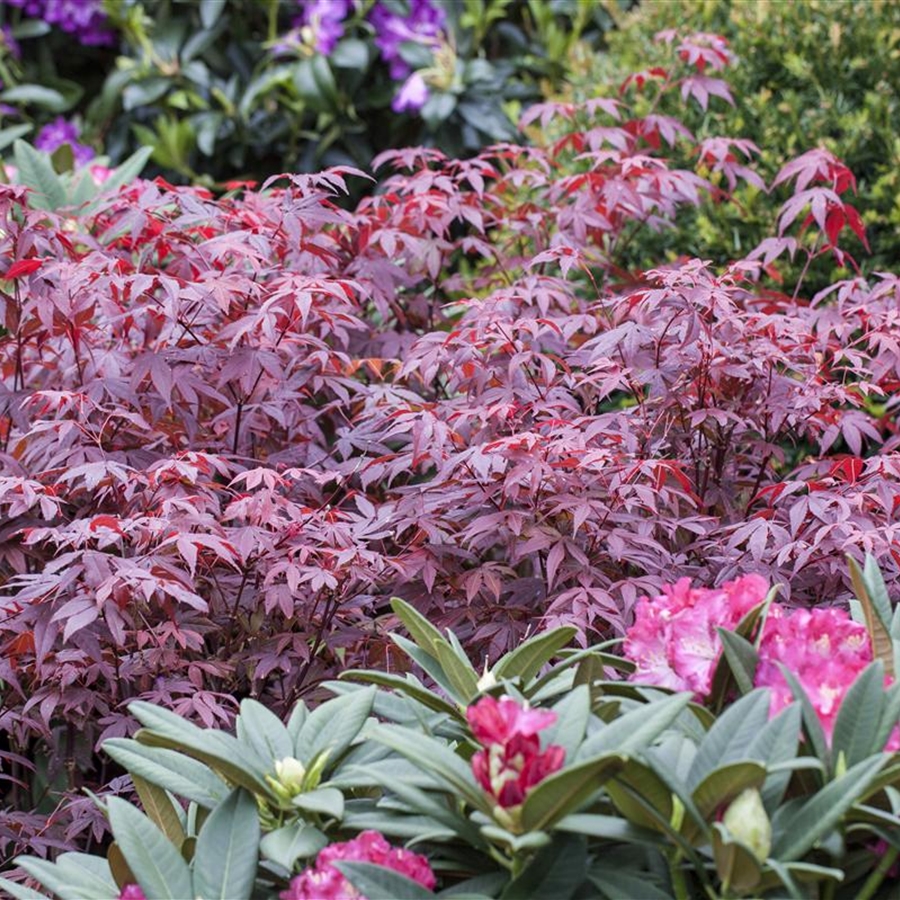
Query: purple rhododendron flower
{"type": "Point", "coordinates": [424, 24]}
{"type": "Point", "coordinates": [61, 131]}
{"type": "Point", "coordinates": [11, 44]}
{"type": "Point", "coordinates": [412, 96]}
{"type": "Point", "coordinates": [84, 19]}
{"type": "Point", "coordinates": [325, 18]}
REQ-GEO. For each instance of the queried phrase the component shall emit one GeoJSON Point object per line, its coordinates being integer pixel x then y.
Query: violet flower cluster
{"type": "Point", "coordinates": [321, 26]}
{"type": "Point", "coordinates": [324, 881]}
{"type": "Point", "coordinates": [84, 19]}
{"type": "Point", "coordinates": [61, 131]}
{"type": "Point", "coordinates": [674, 644]}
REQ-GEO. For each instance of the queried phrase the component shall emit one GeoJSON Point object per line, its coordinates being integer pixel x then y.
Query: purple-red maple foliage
{"type": "Point", "coordinates": [231, 428]}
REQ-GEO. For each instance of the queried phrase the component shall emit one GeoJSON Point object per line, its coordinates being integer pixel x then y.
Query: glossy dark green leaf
{"type": "Point", "coordinates": [74, 876]}
{"type": "Point", "coordinates": [558, 871]}
{"type": "Point", "coordinates": [859, 718]}
{"type": "Point", "coordinates": [527, 660]}
{"type": "Point", "coordinates": [334, 725]}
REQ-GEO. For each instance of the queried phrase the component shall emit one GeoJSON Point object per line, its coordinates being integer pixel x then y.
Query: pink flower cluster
{"type": "Point", "coordinates": [824, 648]}
{"type": "Point", "coordinates": [131, 892]}
{"type": "Point", "coordinates": [511, 762]}
{"type": "Point", "coordinates": [674, 644]}
{"type": "Point", "coordinates": [674, 641]}
{"type": "Point", "coordinates": [325, 882]}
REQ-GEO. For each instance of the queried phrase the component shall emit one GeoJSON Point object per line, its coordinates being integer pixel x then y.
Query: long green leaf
{"type": "Point", "coordinates": [573, 713]}
{"type": "Point", "coordinates": [327, 801]}
{"type": "Point", "coordinates": [74, 876]}
{"type": "Point", "coordinates": [811, 724]}
{"type": "Point", "coordinates": [870, 590]}
{"type": "Point", "coordinates": [20, 891]}
{"type": "Point", "coordinates": [859, 717]}
{"type": "Point", "coordinates": [565, 791]}
{"type": "Point", "coordinates": [380, 883]}
{"type": "Point", "coordinates": [227, 852]}
{"type": "Point", "coordinates": [526, 661]}
{"type": "Point", "coordinates": [636, 728]}
{"type": "Point", "coordinates": [419, 628]}
{"type": "Point", "coordinates": [262, 731]}
{"type": "Point", "coordinates": [36, 171]}
{"type": "Point", "coordinates": [728, 739]}
{"type": "Point", "coordinates": [333, 726]}
{"type": "Point", "coordinates": [408, 685]}
{"type": "Point", "coordinates": [158, 866]}
{"type": "Point", "coordinates": [802, 828]}
{"type": "Point", "coordinates": [462, 677]}
{"type": "Point", "coordinates": [719, 787]}
{"type": "Point", "coordinates": [557, 870]}
{"type": "Point", "coordinates": [617, 885]}
{"type": "Point", "coordinates": [160, 809]}
{"type": "Point", "coordinates": [180, 774]}
{"type": "Point", "coordinates": [433, 757]}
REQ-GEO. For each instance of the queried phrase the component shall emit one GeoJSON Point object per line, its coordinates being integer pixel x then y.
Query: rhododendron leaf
{"type": "Point", "coordinates": [735, 668]}
{"type": "Point", "coordinates": [572, 715]}
{"type": "Point", "coordinates": [74, 876]}
{"type": "Point", "coordinates": [859, 718]}
{"type": "Point", "coordinates": [287, 844]}
{"type": "Point", "coordinates": [227, 851]}
{"type": "Point", "coordinates": [870, 590]}
{"type": "Point", "coordinates": [295, 722]}
{"type": "Point", "coordinates": [159, 807]}
{"type": "Point", "coordinates": [721, 787]}
{"type": "Point", "coordinates": [381, 883]}
{"type": "Point", "coordinates": [21, 891]}
{"type": "Point", "coordinates": [263, 732]}
{"type": "Point", "coordinates": [327, 800]}
{"type": "Point", "coordinates": [636, 728]}
{"type": "Point", "coordinates": [812, 727]}
{"type": "Point", "coordinates": [222, 752]}
{"type": "Point", "coordinates": [797, 829]}
{"type": "Point", "coordinates": [334, 725]}
{"type": "Point", "coordinates": [557, 870]}
{"type": "Point", "coordinates": [613, 828]}
{"type": "Point", "coordinates": [159, 867]}
{"type": "Point", "coordinates": [890, 715]}
{"type": "Point", "coordinates": [36, 171]}
{"type": "Point", "coordinates": [731, 736]}
{"type": "Point", "coordinates": [622, 885]}
{"type": "Point", "coordinates": [408, 685]}
{"type": "Point", "coordinates": [121, 873]}
{"type": "Point", "coordinates": [434, 757]}
{"type": "Point", "coordinates": [427, 804]}
{"type": "Point", "coordinates": [426, 661]}
{"type": "Point", "coordinates": [526, 661]}
{"type": "Point", "coordinates": [736, 865]}
{"type": "Point", "coordinates": [459, 673]}
{"type": "Point", "coordinates": [173, 771]}
{"type": "Point", "coordinates": [777, 743]}
{"type": "Point", "coordinates": [565, 791]}
{"type": "Point", "coordinates": [420, 629]}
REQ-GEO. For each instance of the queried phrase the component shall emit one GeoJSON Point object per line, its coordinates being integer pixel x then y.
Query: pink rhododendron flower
{"type": "Point", "coordinates": [325, 882]}
{"type": "Point", "coordinates": [674, 641]}
{"type": "Point", "coordinates": [824, 648]}
{"type": "Point", "coordinates": [511, 762]}
{"type": "Point", "coordinates": [497, 721]}
{"type": "Point", "coordinates": [131, 892]}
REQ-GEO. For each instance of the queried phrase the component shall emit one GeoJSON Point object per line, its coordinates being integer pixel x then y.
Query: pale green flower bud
{"type": "Point", "coordinates": [747, 821]}
{"type": "Point", "coordinates": [289, 773]}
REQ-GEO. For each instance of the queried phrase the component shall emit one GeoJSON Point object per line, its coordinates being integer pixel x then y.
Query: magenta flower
{"type": "Point", "coordinates": [131, 892]}
{"type": "Point", "coordinates": [60, 131]}
{"type": "Point", "coordinates": [674, 642]}
{"type": "Point", "coordinates": [325, 882]}
{"type": "Point", "coordinates": [423, 25]}
{"type": "Point", "coordinates": [412, 95]}
{"type": "Point", "coordinates": [498, 721]}
{"type": "Point", "coordinates": [511, 762]}
{"type": "Point", "coordinates": [824, 648]}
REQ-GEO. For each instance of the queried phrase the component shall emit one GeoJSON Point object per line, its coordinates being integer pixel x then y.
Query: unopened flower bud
{"type": "Point", "coordinates": [747, 821]}
{"type": "Point", "coordinates": [290, 773]}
